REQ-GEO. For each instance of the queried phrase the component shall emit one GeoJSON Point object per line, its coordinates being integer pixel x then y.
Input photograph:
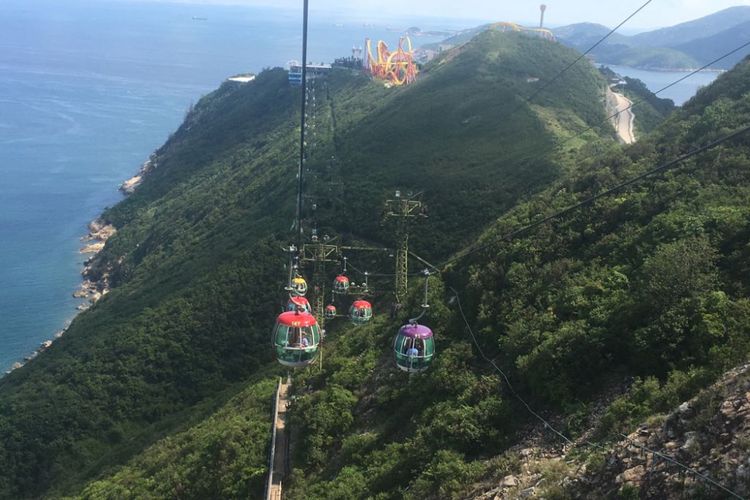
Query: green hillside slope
{"type": "Point", "coordinates": [709, 48]}
{"type": "Point", "coordinates": [686, 45]}
{"type": "Point", "coordinates": [703, 27]}
{"type": "Point", "coordinates": [648, 286]}
{"type": "Point", "coordinates": [196, 266]}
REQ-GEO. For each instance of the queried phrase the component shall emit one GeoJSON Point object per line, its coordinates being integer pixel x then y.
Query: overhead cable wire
{"type": "Point", "coordinates": [505, 377]}
{"type": "Point", "coordinates": [662, 168]}
{"type": "Point", "coordinates": [300, 169]}
{"type": "Point", "coordinates": [666, 87]}
{"type": "Point", "coordinates": [379, 275]}
{"type": "Point", "coordinates": [581, 56]}
{"type": "Point", "coordinates": [588, 128]}
{"type": "Point", "coordinates": [683, 466]}
{"type": "Point", "coordinates": [560, 434]}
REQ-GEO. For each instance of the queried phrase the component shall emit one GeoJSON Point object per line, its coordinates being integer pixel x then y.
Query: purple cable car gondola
{"type": "Point", "coordinates": [414, 347]}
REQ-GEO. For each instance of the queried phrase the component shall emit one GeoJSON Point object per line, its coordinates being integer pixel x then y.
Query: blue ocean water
{"type": "Point", "coordinates": [88, 88]}
{"type": "Point", "coordinates": [657, 80]}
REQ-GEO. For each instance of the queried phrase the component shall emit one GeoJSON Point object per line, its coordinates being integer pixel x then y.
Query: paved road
{"type": "Point", "coordinates": [623, 122]}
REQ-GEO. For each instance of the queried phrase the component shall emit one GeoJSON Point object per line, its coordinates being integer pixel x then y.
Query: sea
{"type": "Point", "coordinates": [89, 88]}
{"type": "Point", "coordinates": [658, 80]}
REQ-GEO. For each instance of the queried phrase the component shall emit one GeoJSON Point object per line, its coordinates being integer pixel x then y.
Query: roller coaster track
{"type": "Point", "coordinates": [397, 67]}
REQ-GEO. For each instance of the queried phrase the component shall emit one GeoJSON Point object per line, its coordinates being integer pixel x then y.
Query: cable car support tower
{"type": "Point", "coordinates": [403, 210]}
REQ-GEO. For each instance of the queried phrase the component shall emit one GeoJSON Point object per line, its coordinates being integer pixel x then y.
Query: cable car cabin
{"type": "Point", "coordinates": [414, 348]}
{"type": "Point", "coordinates": [360, 312]}
{"type": "Point", "coordinates": [330, 311]}
{"type": "Point", "coordinates": [341, 284]}
{"type": "Point", "coordinates": [297, 303]}
{"type": "Point", "coordinates": [296, 338]}
{"type": "Point", "coordinates": [299, 286]}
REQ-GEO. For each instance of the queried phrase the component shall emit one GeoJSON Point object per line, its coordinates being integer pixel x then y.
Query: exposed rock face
{"type": "Point", "coordinates": [130, 185]}
{"type": "Point", "coordinates": [93, 289]}
{"type": "Point", "coordinates": [710, 434]}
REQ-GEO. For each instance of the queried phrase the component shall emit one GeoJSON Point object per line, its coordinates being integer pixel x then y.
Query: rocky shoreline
{"type": "Point", "coordinates": [92, 288]}
{"type": "Point", "coordinates": [130, 185]}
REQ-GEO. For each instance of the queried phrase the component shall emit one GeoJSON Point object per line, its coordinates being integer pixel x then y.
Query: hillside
{"type": "Point", "coordinates": [704, 50]}
{"type": "Point", "coordinates": [687, 45]}
{"type": "Point", "coordinates": [162, 374]}
{"type": "Point", "coordinates": [604, 318]}
{"type": "Point", "coordinates": [609, 317]}
{"type": "Point", "coordinates": [708, 26]}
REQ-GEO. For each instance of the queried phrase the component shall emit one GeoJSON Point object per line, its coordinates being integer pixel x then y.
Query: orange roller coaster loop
{"type": "Point", "coordinates": [397, 67]}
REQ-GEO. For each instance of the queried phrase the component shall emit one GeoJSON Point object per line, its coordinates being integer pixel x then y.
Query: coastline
{"type": "Point", "coordinates": [663, 70]}
{"type": "Point", "coordinates": [91, 288]}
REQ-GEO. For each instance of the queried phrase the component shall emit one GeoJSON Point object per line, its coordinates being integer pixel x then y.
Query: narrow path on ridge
{"type": "Point", "coordinates": [282, 440]}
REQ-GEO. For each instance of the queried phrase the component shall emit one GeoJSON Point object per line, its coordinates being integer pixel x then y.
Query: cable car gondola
{"type": "Point", "coordinates": [296, 338]}
{"type": "Point", "coordinates": [298, 303]}
{"type": "Point", "coordinates": [330, 311]}
{"type": "Point", "coordinates": [414, 348]}
{"type": "Point", "coordinates": [341, 284]}
{"type": "Point", "coordinates": [360, 312]}
{"type": "Point", "coordinates": [299, 286]}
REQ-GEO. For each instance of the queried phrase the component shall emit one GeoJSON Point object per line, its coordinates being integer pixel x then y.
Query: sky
{"type": "Point", "coordinates": [658, 13]}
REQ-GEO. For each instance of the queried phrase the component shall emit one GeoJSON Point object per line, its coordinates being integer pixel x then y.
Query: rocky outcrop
{"type": "Point", "coordinates": [710, 435]}
{"type": "Point", "coordinates": [93, 289]}
{"type": "Point", "coordinates": [129, 186]}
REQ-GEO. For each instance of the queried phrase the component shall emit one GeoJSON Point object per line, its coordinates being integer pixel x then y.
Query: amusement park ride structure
{"type": "Point", "coordinates": [395, 68]}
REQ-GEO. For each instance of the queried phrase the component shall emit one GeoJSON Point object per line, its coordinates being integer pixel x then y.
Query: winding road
{"type": "Point", "coordinates": [624, 119]}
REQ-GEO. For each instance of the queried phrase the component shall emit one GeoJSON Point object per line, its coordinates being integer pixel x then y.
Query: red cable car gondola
{"type": "Point", "coordinates": [360, 312]}
{"type": "Point", "coordinates": [298, 303]}
{"type": "Point", "coordinates": [341, 284]}
{"type": "Point", "coordinates": [296, 338]}
{"type": "Point", "coordinates": [330, 311]}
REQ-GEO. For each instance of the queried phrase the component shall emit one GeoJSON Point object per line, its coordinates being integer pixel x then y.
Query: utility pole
{"type": "Point", "coordinates": [402, 210]}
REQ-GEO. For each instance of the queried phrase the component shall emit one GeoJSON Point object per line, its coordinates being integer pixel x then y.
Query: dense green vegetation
{"type": "Point", "coordinates": [649, 285]}
{"type": "Point", "coordinates": [163, 388]}
{"type": "Point", "coordinates": [197, 270]}
{"type": "Point", "coordinates": [224, 456]}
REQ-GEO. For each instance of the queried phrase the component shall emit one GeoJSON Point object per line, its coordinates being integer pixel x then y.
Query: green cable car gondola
{"type": "Point", "coordinates": [414, 348]}
{"type": "Point", "coordinates": [296, 338]}
{"type": "Point", "coordinates": [360, 312]}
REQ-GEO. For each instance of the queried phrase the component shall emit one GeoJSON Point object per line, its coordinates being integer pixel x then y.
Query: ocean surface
{"type": "Point", "coordinates": [87, 90]}
{"type": "Point", "coordinates": [657, 80]}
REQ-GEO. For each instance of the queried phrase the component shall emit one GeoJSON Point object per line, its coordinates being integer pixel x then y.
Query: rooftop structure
{"type": "Point", "coordinates": [313, 71]}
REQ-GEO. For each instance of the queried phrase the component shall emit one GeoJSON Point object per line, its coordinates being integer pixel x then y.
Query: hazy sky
{"type": "Point", "coordinates": [609, 12]}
